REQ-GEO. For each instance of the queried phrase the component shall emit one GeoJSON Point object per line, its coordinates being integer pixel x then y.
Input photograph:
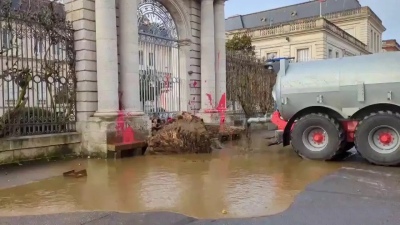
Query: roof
{"type": "Point", "coordinates": [390, 40]}
{"type": "Point", "coordinates": [284, 14]}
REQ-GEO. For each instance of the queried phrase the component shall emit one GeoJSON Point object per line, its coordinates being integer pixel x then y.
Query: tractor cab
{"type": "Point", "coordinates": [273, 65]}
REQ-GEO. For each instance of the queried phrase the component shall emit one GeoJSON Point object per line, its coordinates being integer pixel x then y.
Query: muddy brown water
{"type": "Point", "coordinates": [224, 184]}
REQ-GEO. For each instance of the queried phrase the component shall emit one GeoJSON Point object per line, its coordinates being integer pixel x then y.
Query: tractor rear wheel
{"type": "Point", "coordinates": [377, 138]}
{"type": "Point", "coordinates": [318, 137]}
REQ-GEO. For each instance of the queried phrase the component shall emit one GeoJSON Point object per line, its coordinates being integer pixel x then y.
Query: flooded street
{"type": "Point", "coordinates": [220, 185]}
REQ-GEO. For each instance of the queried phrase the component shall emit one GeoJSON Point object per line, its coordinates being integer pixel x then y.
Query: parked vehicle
{"type": "Point", "coordinates": [324, 108]}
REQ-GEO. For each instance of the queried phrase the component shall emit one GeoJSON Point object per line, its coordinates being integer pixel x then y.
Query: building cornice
{"type": "Point", "coordinates": [346, 15]}
{"type": "Point", "coordinates": [337, 31]}
{"type": "Point", "coordinates": [299, 27]}
{"type": "Point", "coordinates": [355, 14]}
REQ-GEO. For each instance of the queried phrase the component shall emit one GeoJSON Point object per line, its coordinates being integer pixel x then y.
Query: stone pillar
{"type": "Point", "coordinates": [184, 52]}
{"type": "Point", "coordinates": [96, 68]}
{"type": "Point", "coordinates": [128, 43]}
{"type": "Point", "coordinates": [220, 50]}
{"type": "Point", "coordinates": [107, 58]}
{"type": "Point", "coordinates": [81, 14]}
{"type": "Point", "coordinates": [129, 56]}
{"type": "Point", "coordinates": [207, 55]}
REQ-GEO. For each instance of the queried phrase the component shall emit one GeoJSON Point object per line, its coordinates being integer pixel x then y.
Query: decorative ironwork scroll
{"type": "Point", "coordinates": [155, 20]}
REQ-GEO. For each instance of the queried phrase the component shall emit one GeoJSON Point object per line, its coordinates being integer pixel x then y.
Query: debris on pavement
{"type": "Point", "coordinates": [184, 134]}
{"type": "Point", "coordinates": [76, 174]}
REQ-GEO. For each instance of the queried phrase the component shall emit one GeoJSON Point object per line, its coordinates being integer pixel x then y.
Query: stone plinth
{"type": "Point", "coordinates": [98, 129]}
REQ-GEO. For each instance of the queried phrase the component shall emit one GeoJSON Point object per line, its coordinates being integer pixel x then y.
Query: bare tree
{"type": "Point", "coordinates": [248, 82]}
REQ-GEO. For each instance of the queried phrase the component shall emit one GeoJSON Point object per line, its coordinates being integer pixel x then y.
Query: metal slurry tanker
{"type": "Point", "coordinates": [324, 108]}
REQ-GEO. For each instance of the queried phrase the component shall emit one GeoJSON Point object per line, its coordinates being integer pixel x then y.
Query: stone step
{"type": "Point", "coordinates": [121, 150]}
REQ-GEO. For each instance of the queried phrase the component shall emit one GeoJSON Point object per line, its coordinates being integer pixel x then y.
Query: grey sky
{"type": "Point", "coordinates": [387, 10]}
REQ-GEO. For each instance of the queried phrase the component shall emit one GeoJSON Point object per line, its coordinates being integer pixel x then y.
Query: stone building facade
{"type": "Point", "coordinates": [129, 49]}
{"type": "Point", "coordinates": [390, 45]}
{"type": "Point", "coordinates": [307, 32]}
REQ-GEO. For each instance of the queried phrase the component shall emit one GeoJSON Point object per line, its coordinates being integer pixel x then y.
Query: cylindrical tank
{"type": "Point", "coordinates": [341, 83]}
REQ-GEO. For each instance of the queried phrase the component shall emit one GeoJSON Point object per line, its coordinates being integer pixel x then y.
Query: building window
{"type": "Point", "coordinates": [372, 40]}
{"type": "Point", "coordinates": [303, 55]}
{"type": "Point", "coordinates": [141, 57]}
{"type": "Point", "coordinates": [12, 94]}
{"type": "Point", "coordinates": [38, 47]}
{"type": "Point", "coordinates": [272, 55]}
{"type": "Point", "coordinates": [57, 49]}
{"type": "Point", "coordinates": [347, 53]}
{"type": "Point", "coordinates": [6, 37]}
{"type": "Point", "coordinates": [377, 42]}
{"type": "Point", "coordinates": [330, 52]}
{"type": "Point", "coordinates": [337, 55]}
{"type": "Point", "coordinates": [151, 59]}
{"type": "Point", "coordinates": [42, 93]}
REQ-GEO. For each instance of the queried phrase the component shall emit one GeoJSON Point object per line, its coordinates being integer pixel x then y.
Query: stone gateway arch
{"type": "Point", "coordinates": [145, 57]}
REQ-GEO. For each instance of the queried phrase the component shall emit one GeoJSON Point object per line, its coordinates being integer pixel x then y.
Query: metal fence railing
{"type": "Point", "coordinates": [249, 84]}
{"type": "Point", "coordinates": [37, 77]}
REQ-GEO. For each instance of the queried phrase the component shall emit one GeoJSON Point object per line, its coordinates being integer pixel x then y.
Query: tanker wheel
{"type": "Point", "coordinates": [318, 137]}
{"type": "Point", "coordinates": [377, 138]}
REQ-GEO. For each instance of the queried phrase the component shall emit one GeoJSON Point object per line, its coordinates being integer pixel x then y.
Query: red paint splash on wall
{"type": "Point", "coordinates": [127, 133]}
{"type": "Point", "coordinates": [209, 97]}
{"type": "Point", "coordinates": [221, 109]}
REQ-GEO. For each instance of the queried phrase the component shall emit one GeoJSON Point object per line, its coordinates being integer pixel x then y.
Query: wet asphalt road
{"type": "Point", "coordinates": [369, 196]}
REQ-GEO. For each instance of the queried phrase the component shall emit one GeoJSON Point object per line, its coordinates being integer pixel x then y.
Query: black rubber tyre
{"type": "Point", "coordinates": [365, 143]}
{"type": "Point", "coordinates": [347, 146]}
{"type": "Point", "coordinates": [334, 133]}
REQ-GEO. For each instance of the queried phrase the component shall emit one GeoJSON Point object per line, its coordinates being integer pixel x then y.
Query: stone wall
{"type": "Point", "coordinates": [18, 149]}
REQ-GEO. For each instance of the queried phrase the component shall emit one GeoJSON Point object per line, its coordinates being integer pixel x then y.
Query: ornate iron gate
{"type": "Point", "coordinates": [158, 60]}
